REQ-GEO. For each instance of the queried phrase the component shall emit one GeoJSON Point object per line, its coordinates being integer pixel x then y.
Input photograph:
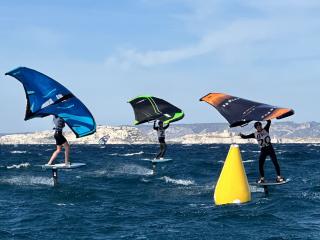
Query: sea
{"type": "Point", "coordinates": [117, 195]}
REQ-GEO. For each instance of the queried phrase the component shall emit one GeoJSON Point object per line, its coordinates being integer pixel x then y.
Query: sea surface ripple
{"type": "Point", "coordinates": [118, 196]}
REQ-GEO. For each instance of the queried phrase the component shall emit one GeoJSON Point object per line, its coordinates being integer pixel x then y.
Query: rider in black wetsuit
{"type": "Point", "coordinates": [264, 140]}
{"type": "Point", "coordinates": [161, 137]}
{"type": "Point", "coordinates": [60, 140]}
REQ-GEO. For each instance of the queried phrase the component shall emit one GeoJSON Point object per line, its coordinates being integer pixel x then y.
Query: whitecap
{"type": "Point", "coordinates": [114, 154]}
{"type": "Point", "coordinates": [27, 181]}
{"type": "Point", "coordinates": [132, 154]}
{"type": "Point", "coordinates": [18, 152]}
{"type": "Point", "coordinates": [183, 182]}
{"type": "Point", "coordinates": [248, 161]}
{"type": "Point", "coordinates": [100, 172]}
{"type": "Point", "coordinates": [313, 144]}
{"type": "Point", "coordinates": [256, 189]}
{"type": "Point", "coordinates": [64, 204]}
{"type": "Point", "coordinates": [134, 170]}
{"type": "Point", "coordinates": [18, 166]}
{"type": "Point", "coordinates": [145, 180]}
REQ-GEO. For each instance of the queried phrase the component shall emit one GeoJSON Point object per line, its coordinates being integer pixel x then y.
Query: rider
{"type": "Point", "coordinates": [161, 137]}
{"type": "Point", "coordinates": [264, 140]}
{"type": "Point", "coordinates": [60, 140]}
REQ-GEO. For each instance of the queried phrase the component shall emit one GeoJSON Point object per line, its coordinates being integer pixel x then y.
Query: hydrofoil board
{"type": "Point", "coordinates": [160, 160]}
{"type": "Point", "coordinates": [63, 166]}
{"type": "Point", "coordinates": [269, 183]}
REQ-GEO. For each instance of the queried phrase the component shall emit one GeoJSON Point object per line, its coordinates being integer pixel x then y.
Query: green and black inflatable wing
{"type": "Point", "coordinates": [148, 108]}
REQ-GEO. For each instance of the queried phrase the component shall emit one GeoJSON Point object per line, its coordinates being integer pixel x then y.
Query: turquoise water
{"type": "Point", "coordinates": [117, 196]}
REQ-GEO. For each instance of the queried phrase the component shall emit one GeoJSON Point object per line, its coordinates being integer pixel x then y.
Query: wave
{"type": "Point", "coordinates": [145, 180]}
{"type": "Point", "coordinates": [311, 195]}
{"type": "Point", "coordinates": [101, 172]}
{"type": "Point", "coordinates": [126, 154]}
{"type": "Point", "coordinates": [64, 204]}
{"type": "Point", "coordinates": [132, 154]}
{"type": "Point", "coordinates": [114, 154]}
{"type": "Point", "coordinates": [19, 152]}
{"type": "Point", "coordinates": [18, 166]}
{"type": "Point", "coordinates": [27, 181]}
{"type": "Point", "coordinates": [250, 151]}
{"type": "Point", "coordinates": [248, 161]}
{"type": "Point", "coordinates": [134, 170]}
{"type": "Point", "coordinates": [313, 145]}
{"type": "Point", "coordinates": [279, 152]}
{"type": "Point", "coordinates": [255, 189]}
{"type": "Point", "coordinates": [177, 181]}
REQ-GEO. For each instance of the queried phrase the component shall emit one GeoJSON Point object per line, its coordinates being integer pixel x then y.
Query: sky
{"type": "Point", "coordinates": [107, 52]}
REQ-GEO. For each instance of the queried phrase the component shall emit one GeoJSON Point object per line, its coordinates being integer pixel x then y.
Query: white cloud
{"type": "Point", "coordinates": [270, 27]}
{"type": "Point", "coordinates": [239, 33]}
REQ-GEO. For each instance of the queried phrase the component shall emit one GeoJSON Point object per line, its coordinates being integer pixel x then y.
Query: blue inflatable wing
{"type": "Point", "coordinates": [46, 96]}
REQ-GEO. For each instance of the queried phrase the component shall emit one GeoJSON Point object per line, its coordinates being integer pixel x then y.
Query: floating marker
{"type": "Point", "coordinates": [232, 186]}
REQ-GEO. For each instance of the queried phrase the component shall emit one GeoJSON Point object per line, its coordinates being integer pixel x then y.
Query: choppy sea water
{"type": "Point", "coordinates": [117, 195]}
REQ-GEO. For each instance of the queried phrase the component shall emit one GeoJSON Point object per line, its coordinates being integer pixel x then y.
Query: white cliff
{"type": "Point", "coordinates": [175, 134]}
{"type": "Point", "coordinates": [116, 135]}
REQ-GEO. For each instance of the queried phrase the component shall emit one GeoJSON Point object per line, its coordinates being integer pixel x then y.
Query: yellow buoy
{"type": "Point", "coordinates": [232, 186]}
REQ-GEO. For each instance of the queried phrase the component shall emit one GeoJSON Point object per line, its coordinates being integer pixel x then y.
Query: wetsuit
{"type": "Point", "coordinates": [264, 141]}
{"type": "Point", "coordinates": [161, 138]}
{"type": "Point", "coordinates": [59, 124]}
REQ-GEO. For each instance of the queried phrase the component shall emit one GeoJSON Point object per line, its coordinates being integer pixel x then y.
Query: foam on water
{"type": "Point", "coordinates": [64, 204]}
{"type": "Point", "coordinates": [133, 169]}
{"type": "Point", "coordinates": [121, 196]}
{"type": "Point", "coordinates": [114, 154]}
{"type": "Point", "coordinates": [18, 152]}
{"type": "Point", "coordinates": [183, 182]}
{"type": "Point", "coordinates": [17, 166]}
{"type": "Point", "coordinates": [248, 161]}
{"type": "Point", "coordinates": [27, 181]}
{"type": "Point", "coordinates": [132, 154]}
{"type": "Point", "coordinates": [255, 189]}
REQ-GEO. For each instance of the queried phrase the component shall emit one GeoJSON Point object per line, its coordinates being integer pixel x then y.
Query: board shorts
{"type": "Point", "coordinates": [161, 140]}
{"type": "Point", "coordinates": [60, 139]}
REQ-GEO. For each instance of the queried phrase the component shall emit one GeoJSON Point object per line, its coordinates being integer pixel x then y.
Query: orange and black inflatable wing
{"type": "Point", "coordinates": [239, 111]}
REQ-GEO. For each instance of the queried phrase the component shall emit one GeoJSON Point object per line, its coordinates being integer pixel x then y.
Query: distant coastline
{"type": "Point", "coordinates": [199, 133]}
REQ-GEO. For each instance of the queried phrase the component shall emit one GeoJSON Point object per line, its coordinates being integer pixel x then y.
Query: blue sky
{"type": "Point", "coordinates": [107, 52]}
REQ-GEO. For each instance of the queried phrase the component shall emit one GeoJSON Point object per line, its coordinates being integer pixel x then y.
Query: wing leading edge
{"type": "Point", "coordinates": [239, 111]}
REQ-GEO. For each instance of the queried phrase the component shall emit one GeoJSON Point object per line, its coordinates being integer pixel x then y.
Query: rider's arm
{"type": "Point", "coordinates": [247, 136]}
{"type": "Point", "coordinates": [267, 127]}
{"type": "Point", "coordinates": [154, 126]}
{"type": "Point", "coordinates": [166, 126]}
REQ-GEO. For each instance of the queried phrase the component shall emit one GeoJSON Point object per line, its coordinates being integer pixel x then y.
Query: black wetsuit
{"type": "Point", "coordinates": [161, 138]}
{"type": "Point", "coordinates": [58, 136]}
{"type": "Point", "coordinates": [264, 141]}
